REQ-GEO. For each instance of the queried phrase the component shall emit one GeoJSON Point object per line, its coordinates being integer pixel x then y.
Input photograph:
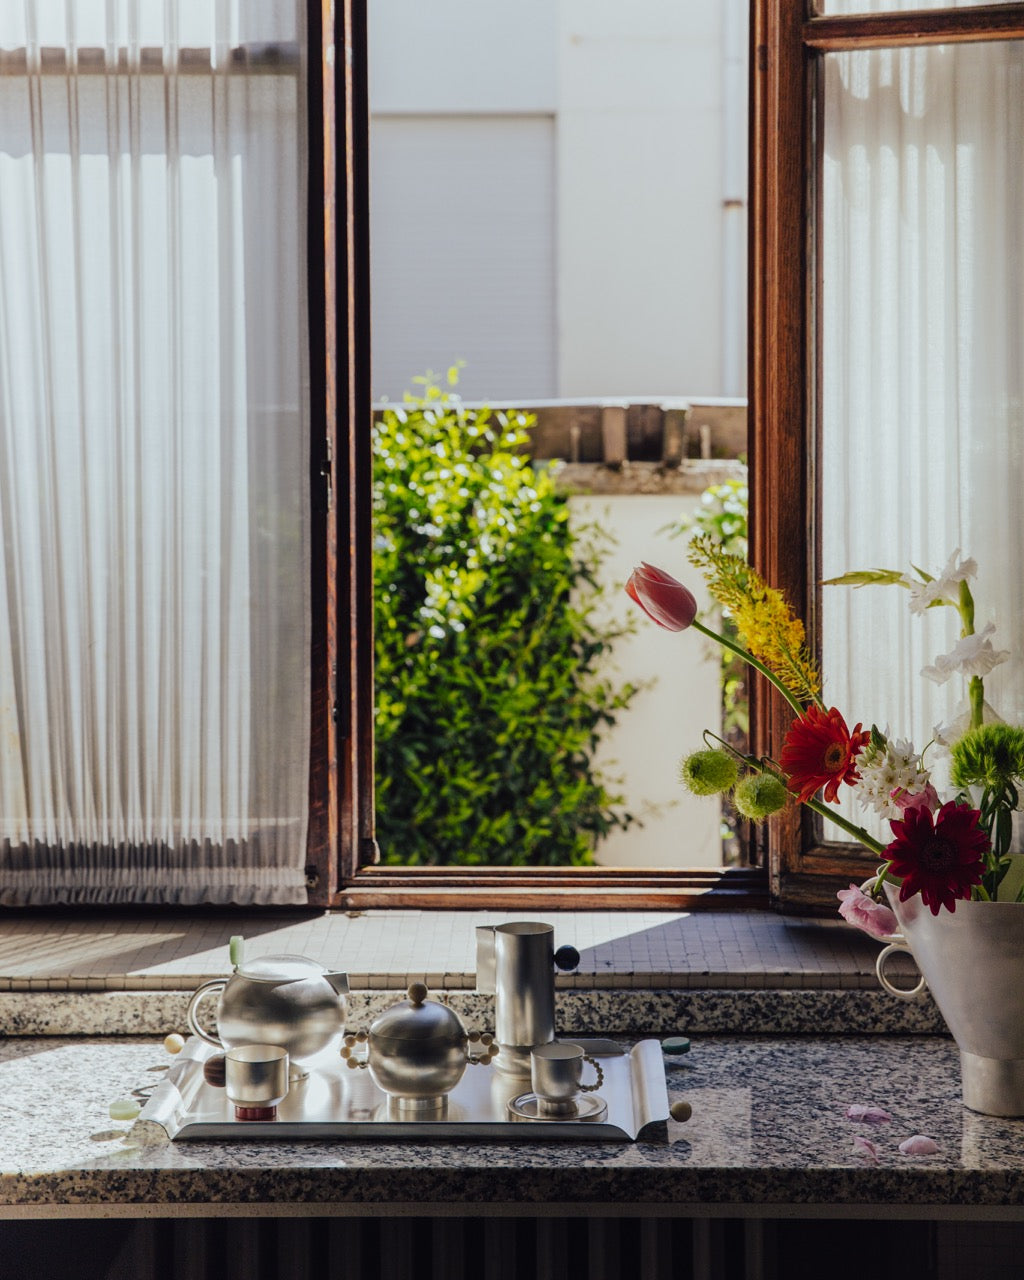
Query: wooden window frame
{"type": "Point", "coordinates": [795, 871]}
{"type": "Point", "coordinates": [785, 356]}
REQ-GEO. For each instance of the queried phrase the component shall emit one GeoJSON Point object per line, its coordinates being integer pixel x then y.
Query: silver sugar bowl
{"type": "Point", "coordinates": [417, 1052]}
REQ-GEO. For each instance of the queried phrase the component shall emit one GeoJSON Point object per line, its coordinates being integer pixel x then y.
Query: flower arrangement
{"type": "Point", "coordinates": [944, 849]}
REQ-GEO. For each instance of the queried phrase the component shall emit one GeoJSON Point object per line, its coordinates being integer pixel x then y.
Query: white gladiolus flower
{"type": "Point", "coordinates": [946, 734]}
{"type": "Point", "coordinates": [972, 656]}
{"type": "Point", "coordinates": [946, 587]}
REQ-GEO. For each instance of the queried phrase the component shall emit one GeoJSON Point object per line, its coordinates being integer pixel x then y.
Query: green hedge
{"type": "Point", "coordinates": [491, 695]}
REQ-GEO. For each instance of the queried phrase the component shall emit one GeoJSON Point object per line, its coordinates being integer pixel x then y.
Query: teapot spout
{"type": "Point", "coordinates": [339, 981]}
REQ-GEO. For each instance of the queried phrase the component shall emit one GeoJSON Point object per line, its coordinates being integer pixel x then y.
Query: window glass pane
{"type": "Point", "coordinates": [923, 361]}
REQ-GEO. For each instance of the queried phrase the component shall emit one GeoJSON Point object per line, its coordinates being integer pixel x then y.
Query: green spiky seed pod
{"type": "Point", "coordinates": [706, 773]}
{"type": "Point", "coordinates": [759, 795]}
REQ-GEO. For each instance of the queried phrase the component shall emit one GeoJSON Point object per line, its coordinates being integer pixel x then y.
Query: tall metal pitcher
{"type": "Point", "coordinates": [516, 964]}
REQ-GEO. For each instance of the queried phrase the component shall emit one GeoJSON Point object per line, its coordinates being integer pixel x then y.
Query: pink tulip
{"type": "Point", "coordinates": [867, 914]}
{"type": "Point", "coordinates": [662, 597]}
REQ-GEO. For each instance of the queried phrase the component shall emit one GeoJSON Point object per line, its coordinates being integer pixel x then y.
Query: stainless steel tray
{"type": "Point", "coordinates": [337, 1102]}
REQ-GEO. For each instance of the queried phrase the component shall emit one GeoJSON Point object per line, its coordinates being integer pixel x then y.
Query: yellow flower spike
{"type": "Point", "coordinates": [766, 624]}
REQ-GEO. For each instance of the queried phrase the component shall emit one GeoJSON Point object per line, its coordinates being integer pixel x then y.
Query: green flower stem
{"type": "Point", "coordinates": [976, 697]}
{"type": "Point", "coordinates": [850, 828]}
{"type": "Point", "coordinates": [975, 686]}
{"type": "Point", "coordinates": [966, 609]}
{"type": "Point", "coordinates": [749, 658]}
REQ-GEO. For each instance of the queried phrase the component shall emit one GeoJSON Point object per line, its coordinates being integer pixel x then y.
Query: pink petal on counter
{"type": "Point", "coordinates": [867, 1115]}
{"type": "Point", "coordinates": [863, 1147]}
{"type": "Point", "coordinates": [919, 1145]}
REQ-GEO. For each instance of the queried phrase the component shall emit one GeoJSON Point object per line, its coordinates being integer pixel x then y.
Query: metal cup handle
{"type": "Point", "coordinates": [207, 989]}
{"type": "Point", "coordinates": [901, 993]}
{"type": "Point", "coordinates": [590, 1088]}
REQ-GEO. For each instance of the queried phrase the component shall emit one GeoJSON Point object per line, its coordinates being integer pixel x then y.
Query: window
{"type": "Point", "coordinates": [366, 884]}
{"type": "Point", "coordinates": [154, 435]}
{"type": "Point", "coordinates": [807, 371]}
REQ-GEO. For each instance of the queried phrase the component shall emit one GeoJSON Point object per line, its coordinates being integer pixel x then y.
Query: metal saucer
{"type": "Point", "coordinates": [588, 1106]}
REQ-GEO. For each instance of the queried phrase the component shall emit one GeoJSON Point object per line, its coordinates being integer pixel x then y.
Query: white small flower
{"type": "Point", "coordinates": [883, 770]}
{"type": "Point", "coordinates": [946, 587]}
{"type": "Point", "coordinates": [972, 656]}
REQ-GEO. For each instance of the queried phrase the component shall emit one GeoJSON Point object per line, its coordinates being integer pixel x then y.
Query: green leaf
{"type": "Point", "coordinates": [868, 578]}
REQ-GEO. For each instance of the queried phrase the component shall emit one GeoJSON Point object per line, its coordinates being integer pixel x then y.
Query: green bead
{"type": "Point", "coordinates": [675, 1045]}
{"type": "Point", "coordinates": [124, 1109]}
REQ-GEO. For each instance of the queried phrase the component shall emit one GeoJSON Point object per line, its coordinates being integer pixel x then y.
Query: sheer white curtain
{"type": "Point", "coordinates": [923, 368]}
{"type": "Point", "coordinates": [154, 611]}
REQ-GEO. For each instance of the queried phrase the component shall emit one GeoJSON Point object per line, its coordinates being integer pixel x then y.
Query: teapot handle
{"type": "Point", "coordinates": [207, 989]}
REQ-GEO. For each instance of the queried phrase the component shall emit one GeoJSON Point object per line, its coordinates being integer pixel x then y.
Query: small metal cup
{"type": "Point", "coordinates": [256, 1080]}
{"type": "Point", "coordinates": [555, 1073]}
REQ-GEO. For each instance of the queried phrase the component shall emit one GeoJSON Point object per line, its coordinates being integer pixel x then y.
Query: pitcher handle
{"type": "Point", "coordinates": [200, 994]}
{"type": "Point", "coordinates": [901, 993]}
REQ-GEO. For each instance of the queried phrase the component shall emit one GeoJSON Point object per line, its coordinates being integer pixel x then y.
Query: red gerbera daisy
{"type": "Point", "coordinates": [939, 858]}
{"type": "Point", "coordinates": [819, 751]}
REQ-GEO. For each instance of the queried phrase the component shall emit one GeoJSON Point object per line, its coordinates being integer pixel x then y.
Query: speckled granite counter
{"type": "Point", "coordinates": [835, 1011]}
{"type": "Point", "coordinates": [769, 1136]}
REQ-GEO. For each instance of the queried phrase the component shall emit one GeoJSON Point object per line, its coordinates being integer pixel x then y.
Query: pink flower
{"type": "Point", "coordinates": [662, 597]}
{"type": "Point", "coordinates": [865, 1147]}
{"type": "Point", "coordinates": [919, 1145]}
{"type": "Point", "coordinates": [867, 914]}
{"type": "Point", "coordinates": [926, 799]}
{"type": "Point", "coordinates": [867, 1115]}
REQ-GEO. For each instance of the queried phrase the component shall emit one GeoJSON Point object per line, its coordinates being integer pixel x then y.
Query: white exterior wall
{"type": "Point", "coordinates": [666, 720]}
{"type": "Point", "coordinates": [647, 104]}
{"type": "Point", "coordinates": [640, 144]}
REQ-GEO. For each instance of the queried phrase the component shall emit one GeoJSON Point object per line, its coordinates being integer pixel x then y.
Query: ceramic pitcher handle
{"type": "Point", "coordinates": [901, 993]}
{"type": "Point", "coordinates": [207, 989]}
{"type": "Point", "coordinates": [589, 1088]}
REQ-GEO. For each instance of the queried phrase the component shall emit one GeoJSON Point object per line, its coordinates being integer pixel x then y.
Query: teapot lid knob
{"type": "Point", "coordinates": [417, 992]}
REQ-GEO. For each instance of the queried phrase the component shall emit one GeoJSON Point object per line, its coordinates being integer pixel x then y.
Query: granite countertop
{"type": "Point", "coordinates": [769, 1132]}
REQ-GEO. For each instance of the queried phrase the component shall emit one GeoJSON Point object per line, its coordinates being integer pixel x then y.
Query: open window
{"type": "Point", "coordinates": [886, 353]}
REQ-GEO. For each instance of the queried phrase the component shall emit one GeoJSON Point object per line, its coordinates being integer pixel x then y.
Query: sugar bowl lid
{"type": "Point", "coordinates": [419, 1019]}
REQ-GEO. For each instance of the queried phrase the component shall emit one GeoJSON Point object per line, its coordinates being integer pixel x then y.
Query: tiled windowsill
{"type": "Point", "coordinates": [385, 950]}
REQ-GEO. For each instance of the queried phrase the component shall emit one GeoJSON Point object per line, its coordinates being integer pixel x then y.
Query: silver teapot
{"type": "Point", "coordinates": [281, 1000]}
{"type": "Point", "coordinates": [417, 1051]}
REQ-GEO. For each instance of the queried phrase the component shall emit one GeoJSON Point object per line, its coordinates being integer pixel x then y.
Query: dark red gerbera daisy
{"type": "Point", "coordinates": [819, 751]}
{"type": "Point", "coordinates": [940, 857]}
